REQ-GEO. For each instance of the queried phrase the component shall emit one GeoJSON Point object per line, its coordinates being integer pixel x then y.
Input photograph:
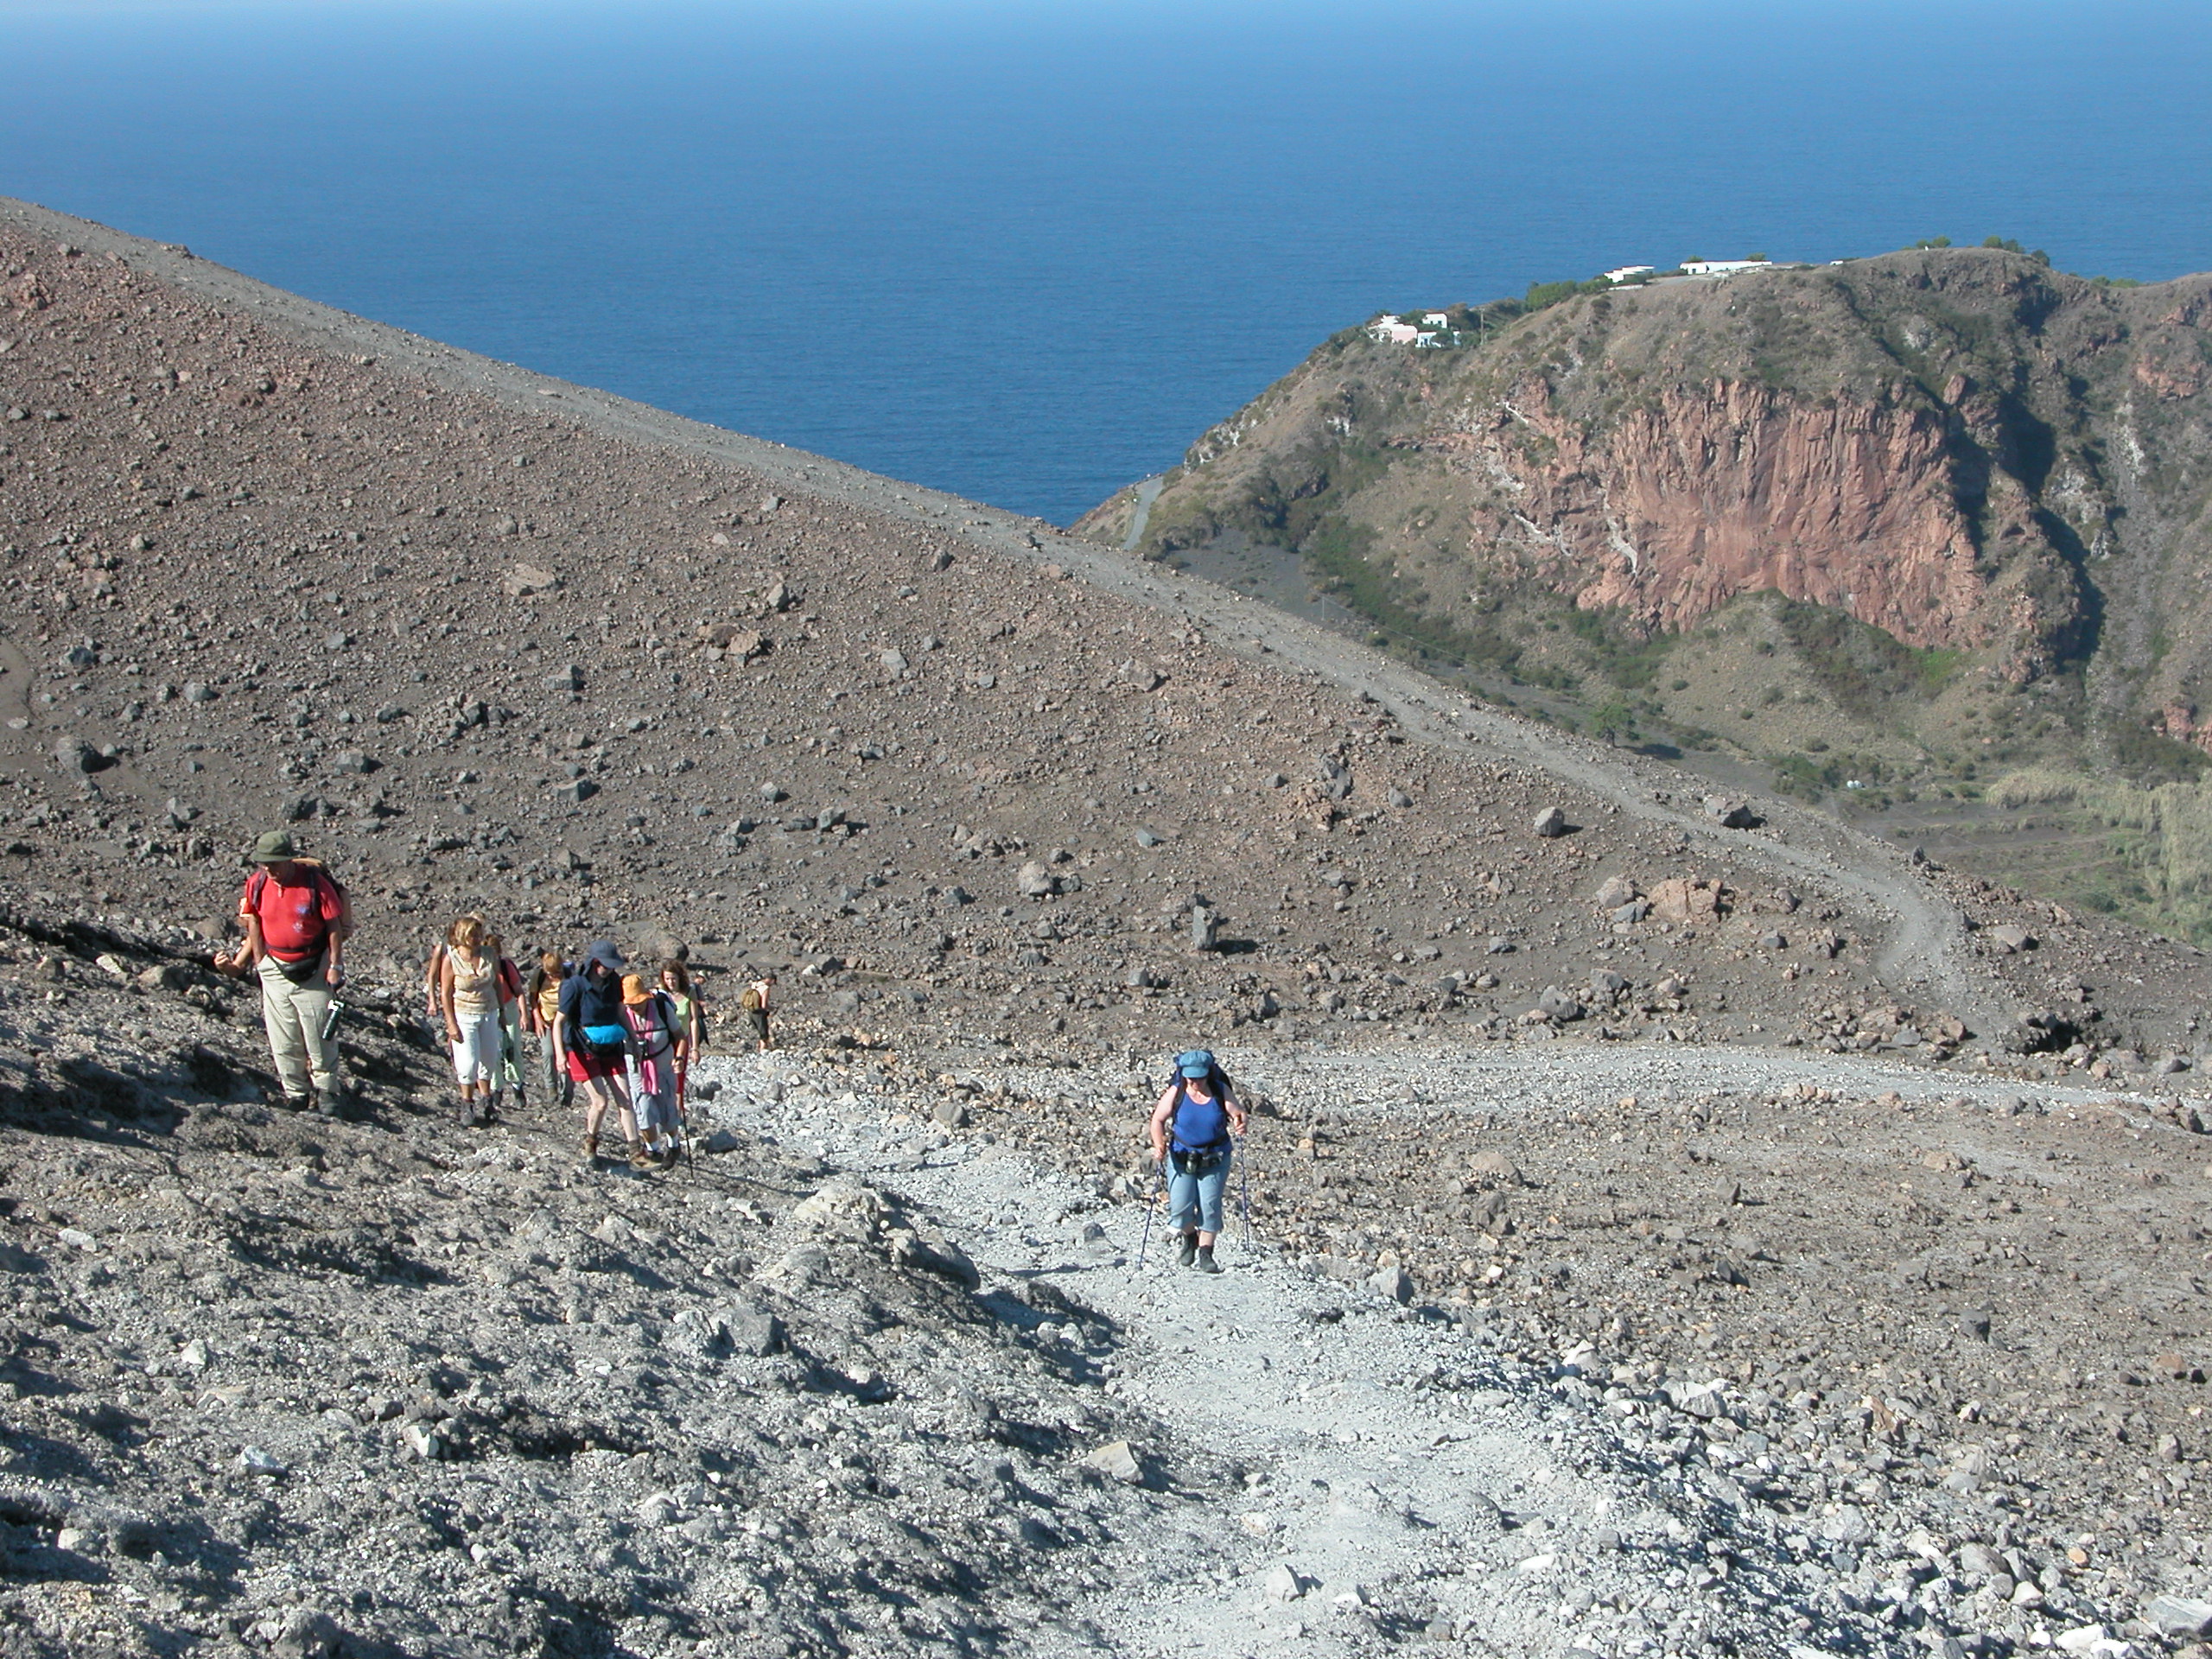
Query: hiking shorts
{"type": "Point", "coordinates": [476, 1050]}
{"type": "Point", "coordinates": [1196, 1181]}
{"type": "Point", "coordinates": [585, 1066]}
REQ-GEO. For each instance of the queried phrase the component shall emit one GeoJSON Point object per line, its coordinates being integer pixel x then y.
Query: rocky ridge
{"type": "Point", "coordinates": [1925, 440]}
{"type": "Point", "coordinates": [1930, 514]}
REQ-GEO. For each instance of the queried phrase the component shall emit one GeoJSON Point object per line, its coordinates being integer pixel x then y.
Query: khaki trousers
{"type": "Point", "coordinates": [294, 1016]}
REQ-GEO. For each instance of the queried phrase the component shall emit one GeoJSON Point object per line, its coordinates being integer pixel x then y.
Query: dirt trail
{"type": "Point", "coordinates": [1399, 1479]}
{"type": "Point", "coordinates": [1922, 954]}
{"type": "Point", "coordinates": [1148, 493]}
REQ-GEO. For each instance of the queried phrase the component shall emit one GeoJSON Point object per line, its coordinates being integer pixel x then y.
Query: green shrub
{"type": "Point", "coordinates": [2142, 756]}
{"type": "Point", "coordinates": [1613, 721]}
{"type": "Point", "coordinates": [1860, 666]}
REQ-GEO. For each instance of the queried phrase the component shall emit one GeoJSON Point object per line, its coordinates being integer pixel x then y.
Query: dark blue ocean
{"type": "Point", "coordinates": [1027, 251]}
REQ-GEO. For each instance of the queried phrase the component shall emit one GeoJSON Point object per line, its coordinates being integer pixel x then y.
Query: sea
{"type": "Point", "coordinates": [1028, 251]}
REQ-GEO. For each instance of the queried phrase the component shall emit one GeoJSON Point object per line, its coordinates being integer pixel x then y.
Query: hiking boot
{"type": "Point", "coordinates": [1187, 1251]}
{"type": "Point", "coordinates": [640, 1157]}
{"type": "Point", "coordinates": [591, 1148]}
{"type": "Point", "coordinates": [296, 1102]}
{"type": "Point", "coordinates": [669, 1155]}
{"type": "Point", "coordinates": [1205, 1261]}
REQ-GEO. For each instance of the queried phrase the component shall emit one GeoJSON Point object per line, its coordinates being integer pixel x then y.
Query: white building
{"type": "Point", "coordinates": [1435, 319]}
{"type": "Point", "coordinates": [1390, 331]}
{"type": "Point", "coordinates": [1723, 267]}
{"type": "Point", "coordinates": [1622, 273]}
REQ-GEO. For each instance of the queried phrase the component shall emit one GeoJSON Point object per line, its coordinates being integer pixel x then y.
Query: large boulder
{"type": "Point", "coordinates": [1617, 890]}
{"type": "Point", "coordinates": [1687, 903]}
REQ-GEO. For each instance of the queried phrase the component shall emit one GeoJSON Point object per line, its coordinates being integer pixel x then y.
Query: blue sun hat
{"type": "Point", "coordinates": [1195, 1063]}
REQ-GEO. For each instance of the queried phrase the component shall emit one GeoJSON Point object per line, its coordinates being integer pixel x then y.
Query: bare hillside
{"type": "Point", "coordinates": [1678, 1225]}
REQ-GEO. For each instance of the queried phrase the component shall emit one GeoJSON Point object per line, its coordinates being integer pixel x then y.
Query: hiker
{"type": "Point", "coordinates": [296, 920]}
{"type": "Point", "coordinates": [469, 995]}
{"type": "Point", "coordinates": [1192, 1129]}
{"type": "Point", "coordinates": [541, 1006]}
{"type": "Point", "coordinates": [755, 1002]}
{"type": "Point", "coordinates": [590, 1033]}
{"type": "Point", "coordinates": [691, 1009]}
{"type": "Point", "coordinates": [690, 1019]}
{"type": "Point", "coordinates": [655, 1048]}
{"type": "Point", "coordinates": [509, 1074]}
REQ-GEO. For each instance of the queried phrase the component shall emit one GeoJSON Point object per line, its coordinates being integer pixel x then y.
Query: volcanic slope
{"type": "Point", "coordinates": [486, 639]}
{"type": "Point", "coordinates": [489, 640]}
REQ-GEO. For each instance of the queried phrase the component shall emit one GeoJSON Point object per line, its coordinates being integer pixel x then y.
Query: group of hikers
{"type": "Point", "coordinates": [626, 1038]}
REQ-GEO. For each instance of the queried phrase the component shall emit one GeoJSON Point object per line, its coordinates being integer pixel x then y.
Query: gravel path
{"type": "Point", "coordinates": [1405, 1478]}
{"type": "Point", "coordinates": [1148, 493]}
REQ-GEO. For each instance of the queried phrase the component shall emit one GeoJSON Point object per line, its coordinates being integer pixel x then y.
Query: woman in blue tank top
{"type": "Point", "coordinates": [1192, 1127]}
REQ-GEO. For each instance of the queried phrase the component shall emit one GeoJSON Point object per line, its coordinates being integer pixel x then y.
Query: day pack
{"type": "Point", "coordinates": [319, 874]}
{"type": "Point", "coordinates": [651, 1041]}
{"type": "Point", "coordinates": [751, 1001]}
{"type": "Point", "coordinates": [1210, 1128]}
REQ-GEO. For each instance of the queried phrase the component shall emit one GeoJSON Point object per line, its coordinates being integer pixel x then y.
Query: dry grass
{"type": "Point", "coordinates": [2037, 786]}
{"type": "Point", "coordinates": [2159, 839]}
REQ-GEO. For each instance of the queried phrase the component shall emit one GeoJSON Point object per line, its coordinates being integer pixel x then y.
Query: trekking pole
{"type": "Point", "coordinates": [1152, 1203]}
{"type": "Point", "coordinates": [684, 1128]}
{"type": "Point", "coordinates": [1244, 1190]}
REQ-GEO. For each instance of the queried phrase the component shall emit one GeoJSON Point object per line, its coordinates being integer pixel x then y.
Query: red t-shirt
{"type": "Point", "coordinates": [294, 919]}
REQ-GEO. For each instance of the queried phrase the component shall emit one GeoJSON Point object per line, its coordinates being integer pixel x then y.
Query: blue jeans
{"type": "Point", "coordinates": [1196, 1181]}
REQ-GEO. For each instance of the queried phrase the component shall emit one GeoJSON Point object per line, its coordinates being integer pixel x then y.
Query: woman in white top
{"type": "Point", "coordinates": [468, 991]}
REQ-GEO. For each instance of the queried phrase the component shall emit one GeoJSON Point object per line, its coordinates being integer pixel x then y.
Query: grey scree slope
{"type": "Point", "coordinates": [1923, 952]}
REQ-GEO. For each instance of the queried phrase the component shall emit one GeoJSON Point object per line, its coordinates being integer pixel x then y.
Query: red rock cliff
{"type": "Point", "coordinates": [1733, 488]}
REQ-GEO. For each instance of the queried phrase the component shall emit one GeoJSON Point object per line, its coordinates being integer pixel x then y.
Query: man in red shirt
{"type": "Point", "coordinates": [296, 920]}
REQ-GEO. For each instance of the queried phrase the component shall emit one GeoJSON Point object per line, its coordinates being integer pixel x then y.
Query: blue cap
{"type": "Point", "coordinates": [1195, 1063]}
{"type": "Point", "coordinates": [603, 950]}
